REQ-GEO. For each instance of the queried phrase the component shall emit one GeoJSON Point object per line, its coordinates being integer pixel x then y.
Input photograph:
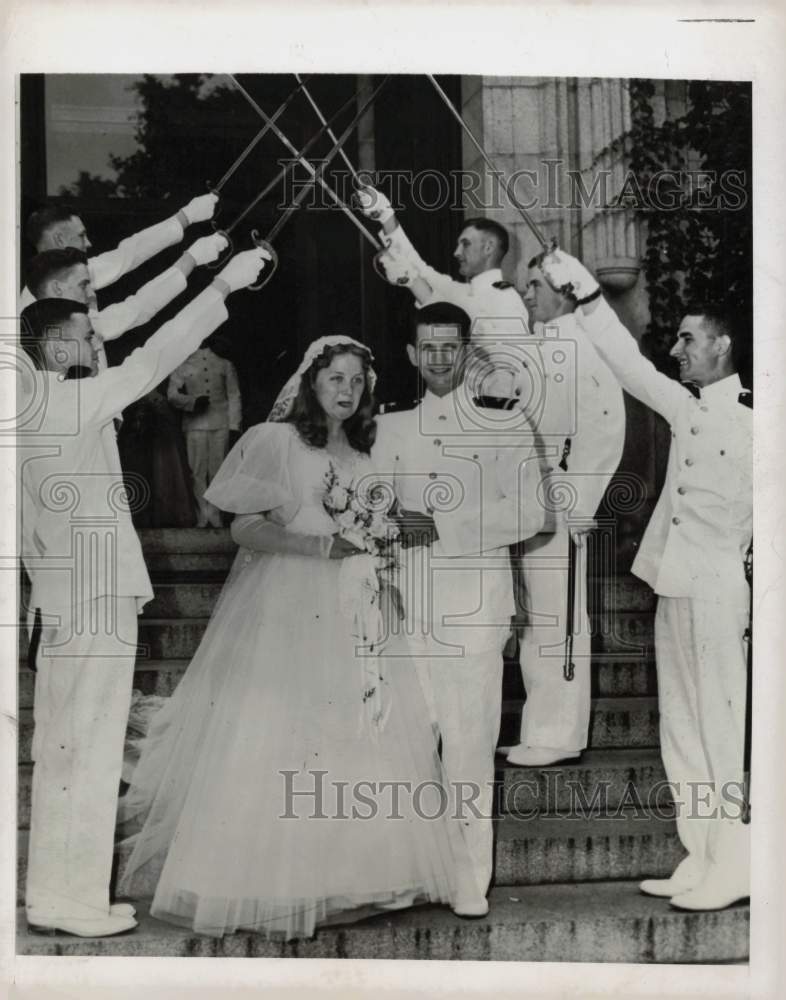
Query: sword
{"type": "Point", "coordinates": [746, 763]}
{"type": "Point", "coordinates": [317, 175]}
{"type": "Point", "coordinates": [568, 669]}
{"type": "Point", "coordinates": [330, 132]}
{"type": "Point", "coordinates": [268, 188]}
{"type": "Point", "coordinates": [216, 189]}
{"type": "Point", "coordinates": [536, 232]}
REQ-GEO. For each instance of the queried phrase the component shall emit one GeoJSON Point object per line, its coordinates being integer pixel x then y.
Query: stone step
{"type": "Point", "coordinates": [631, 638]}
{"type": "Point", "coordinates": [596, 922]}
{"type": "Point", "coordinates": [611, 678]}
{"type": "Point", "coordinates": [600, 782]}
{"type": "Point", "coordinates": [546, 849]}
{"type": "Point", "coordinates": [188, 598]}
{"type": "Point", "coordinates": [614, 722]}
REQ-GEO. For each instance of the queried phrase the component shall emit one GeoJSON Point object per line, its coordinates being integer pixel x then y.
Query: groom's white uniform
{"type": "Point", "coordinates": [89, 579]}
{"type": "Point", "coordinates": [445, 459]}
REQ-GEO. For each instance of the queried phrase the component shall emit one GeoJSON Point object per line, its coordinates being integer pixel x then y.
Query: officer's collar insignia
{"type": "Point", "coordinates": [501, 284]}
{"type": "Point", "coordinates": [746, 398]}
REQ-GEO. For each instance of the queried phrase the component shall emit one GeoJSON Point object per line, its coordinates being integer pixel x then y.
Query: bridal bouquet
{"type": "Point", "coordinates": [368, 597]}
{"type": "Point", "coordinates": [358, 521]}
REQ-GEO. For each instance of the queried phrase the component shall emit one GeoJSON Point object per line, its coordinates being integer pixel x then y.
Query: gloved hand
{"type": "Point", "coordinates": [375, 205]}
{"type": "Point", "coordinates": [393, 268]}
{"type": "Point", "coordinates": [201, 403]}
{"type": "Point", "coordinates": [568, 275]}
{"type": "Point", "coordinates": [208, 249]}
{"type": "Point", "coordinates": [200, 209]}
{"type": "Point", "coordinates": [244, 268]}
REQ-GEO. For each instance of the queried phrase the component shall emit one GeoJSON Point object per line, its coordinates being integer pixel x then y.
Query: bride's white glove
{"type": "Point", "coordinates": [257, 533]}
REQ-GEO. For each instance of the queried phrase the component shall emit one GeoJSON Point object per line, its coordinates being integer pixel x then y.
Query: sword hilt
{"type": "Point", "coordinates": [271, 267]}
{"type": "Point", "coordinates": [381, 271]}
{"type": "Point", "coordinates": [224, 256]}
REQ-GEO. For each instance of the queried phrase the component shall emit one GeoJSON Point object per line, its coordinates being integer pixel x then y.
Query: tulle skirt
{"type": "Point", "coordinates": [264, 793]}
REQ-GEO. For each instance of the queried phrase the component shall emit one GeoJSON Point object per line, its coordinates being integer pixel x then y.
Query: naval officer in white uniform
{"type": "Point", "coordinates": [466, 488]}
{"type": "Point", "coordinates": [89, 582]}
{"type": "Point", "coordinates": [588, 434]}
{"type": "Point", "coordinates": [693, 556]}
{"type": "Point", "coordinates": [65, 274]}
{"type": "Point", "coordinates": [206, 389]}
{"type": "Point", "coordinates": [55, 227]}
{"type": "Point", "coordinates": [498, 316]}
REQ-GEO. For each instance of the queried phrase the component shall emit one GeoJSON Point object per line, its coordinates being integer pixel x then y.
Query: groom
{"type": "Point", "coordinates": [465, 482]}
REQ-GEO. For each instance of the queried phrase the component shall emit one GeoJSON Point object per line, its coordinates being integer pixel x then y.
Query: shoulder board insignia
{"type": "Point", "coordinates": [746, 398]}
{"type": "Point", "coordinates": [502, 284]}
{"type": "Point", "coordinates": [397, 406]}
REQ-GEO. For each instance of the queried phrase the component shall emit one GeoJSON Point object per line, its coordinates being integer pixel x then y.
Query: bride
{"type": "Point", "coordinates": [292, 780]}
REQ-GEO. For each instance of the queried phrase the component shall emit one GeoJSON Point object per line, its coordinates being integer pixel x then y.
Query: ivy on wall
{"type": "Point", "coordinates": [691, 184]}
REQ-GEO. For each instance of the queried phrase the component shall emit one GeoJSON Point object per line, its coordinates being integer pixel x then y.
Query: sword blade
{"type": "Point", "coordinates": [330, 132]}
{"type": "Point", "coordinates": [317, 174]}
{"type": "Point", "coordinates": [536, 232]}
{"type": "Point", "coordinates": [261, 134]}
{"type": "Point", "coordinates": [290, 166]}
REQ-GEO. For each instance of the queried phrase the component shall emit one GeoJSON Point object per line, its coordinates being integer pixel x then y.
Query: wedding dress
{"type": "Point", "coordinates": [272, 706]}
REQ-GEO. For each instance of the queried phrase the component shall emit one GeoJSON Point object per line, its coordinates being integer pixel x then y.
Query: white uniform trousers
{"type": "Point", "coordinates": [701, 656]}
{"type": "Point", "coordinates": [206, 451]}
{"type": "Point", "coordinates": [557, 712]}
{"type": "Point", "coordinates": [464, 696]}
{"type": "Point", "coordinates": [82, 700]}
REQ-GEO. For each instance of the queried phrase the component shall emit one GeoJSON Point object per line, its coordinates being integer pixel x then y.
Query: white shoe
{"type": "Point", "coordinates": [685, 876]}
{"type": "Point", "coordinates": [665, 887]}
{"type": "Point", "coordinates": [121, 910]}
{"type": "Point", "coordinates": [523, 756]}
{"type": "Point", "coordinates": [90, 927]}
{"type": "Point", "coordinates": [471, 907]}
{"type": "Point", "coordinates": [716, 891]}
{"type": "Point", "coordinates": [403, 901]}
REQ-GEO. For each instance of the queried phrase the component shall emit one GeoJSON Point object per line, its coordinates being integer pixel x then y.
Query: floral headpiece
{"type": "Point", "coordinates": [286, 398]}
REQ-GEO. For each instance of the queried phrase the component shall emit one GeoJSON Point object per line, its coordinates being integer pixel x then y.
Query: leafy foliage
{"type": "Point", "coordinates": [693, 177]}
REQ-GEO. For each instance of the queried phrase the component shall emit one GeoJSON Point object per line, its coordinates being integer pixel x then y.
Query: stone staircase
{"type": "Point", "coordinates": [572, 841]}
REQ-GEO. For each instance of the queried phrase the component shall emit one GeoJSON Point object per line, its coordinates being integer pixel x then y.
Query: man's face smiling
{"type": "Point", "coordinates": [439, 357]}
{"type": "Point", "coordinates": [473, 252]}
{"type": "Point", "coordinates": [701, 353]}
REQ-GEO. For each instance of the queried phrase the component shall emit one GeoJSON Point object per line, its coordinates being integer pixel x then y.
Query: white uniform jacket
{"type": "Point", "coordinates": [696, 541]}
{"type": "Point", "coordinates": [106, 268]}
{"type": "Point", "coordinates": [206, 374]}
{"type": "Point", "coordinates": [78, 542]}
{"type": "Point", "coordinates": [139, 308]}
{"type": "Point", "coordinates": [585, 408]}
{"type": "Point", "coordinates": [481, 489]}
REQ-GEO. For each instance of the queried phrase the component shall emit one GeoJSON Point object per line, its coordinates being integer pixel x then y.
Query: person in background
{"type": "Point", "coordinates": [206, 389]}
